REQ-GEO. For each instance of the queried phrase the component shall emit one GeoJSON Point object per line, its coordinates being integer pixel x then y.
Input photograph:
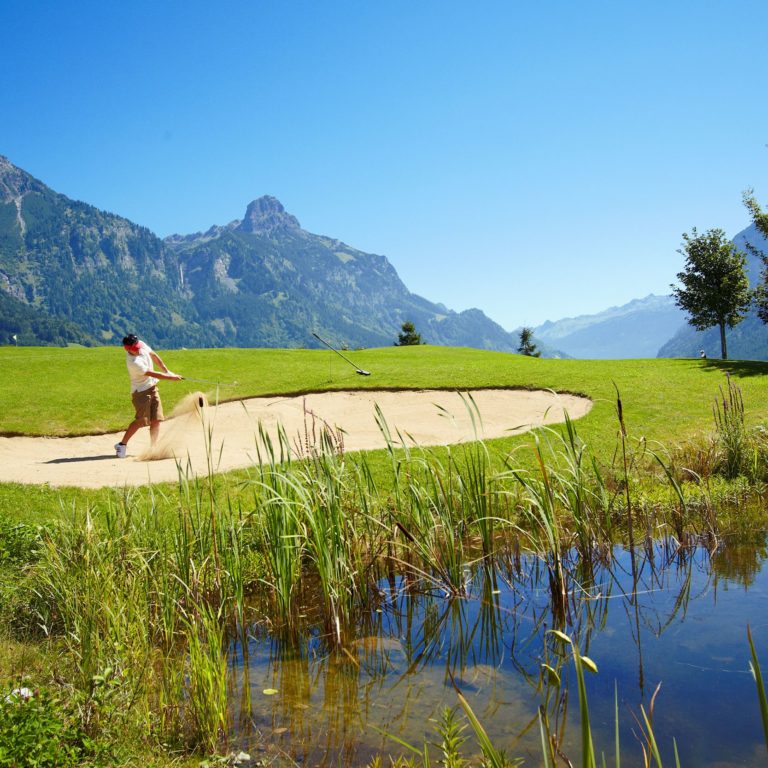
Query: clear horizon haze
{"type": "Point", "coordinates": [534, 160]}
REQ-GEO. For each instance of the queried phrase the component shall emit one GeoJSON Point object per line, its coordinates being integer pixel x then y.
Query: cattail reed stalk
{"type": "Point", "coordinates": [623, 437]}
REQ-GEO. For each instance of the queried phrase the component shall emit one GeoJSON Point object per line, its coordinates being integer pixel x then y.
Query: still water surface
{"type": "Point", "coordinates": [678, 621]}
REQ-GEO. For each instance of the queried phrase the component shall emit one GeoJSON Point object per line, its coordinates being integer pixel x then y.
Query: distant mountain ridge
{"type": "Point", "coordinates": [72, 273]}
{"type": "Point", "coordinates": [656, 327]}
{"type": "Point", "coordinates": [634, 330]}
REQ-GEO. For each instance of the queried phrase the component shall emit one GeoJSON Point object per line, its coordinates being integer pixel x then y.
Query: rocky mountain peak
{"type": "Point", "coordinates": [266, 214]}
{"type": "Point", "coordinates": [15, 183]}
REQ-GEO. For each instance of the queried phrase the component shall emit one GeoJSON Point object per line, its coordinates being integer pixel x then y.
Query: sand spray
{"type": "Point", "coordinates": [189, 420]}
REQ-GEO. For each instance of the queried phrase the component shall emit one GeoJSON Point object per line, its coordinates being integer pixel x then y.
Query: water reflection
{"type": "Point", "coordinates": [741, 561]}
{"type": "Point", "coordinates": [669, 616]}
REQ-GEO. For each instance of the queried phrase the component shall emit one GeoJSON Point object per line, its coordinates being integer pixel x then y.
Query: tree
{"type": "Point", "coordinates": [759, 216]}
{"type": "Point", "coordinates": [715, 285]}
{"type": "Point", "coordinates": [526, 346]}
{"type": "Point", "coordinates": [760, 219]}
{"type": "Point", "coordinates": [408, 336]}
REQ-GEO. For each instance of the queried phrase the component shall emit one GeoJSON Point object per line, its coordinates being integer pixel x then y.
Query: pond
{"type": "Point", "coordinates": [671, 617]}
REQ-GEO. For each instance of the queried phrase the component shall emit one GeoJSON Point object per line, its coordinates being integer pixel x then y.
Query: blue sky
{"type": "Point", "coordinates": [535, 160]}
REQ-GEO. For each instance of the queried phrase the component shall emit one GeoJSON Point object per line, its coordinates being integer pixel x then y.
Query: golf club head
{"type": "Point", "coordinates": [363, 373]}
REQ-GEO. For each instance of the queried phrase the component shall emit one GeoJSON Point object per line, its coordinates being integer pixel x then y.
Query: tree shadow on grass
{"type": "Point", "coordinates": [740, 368]}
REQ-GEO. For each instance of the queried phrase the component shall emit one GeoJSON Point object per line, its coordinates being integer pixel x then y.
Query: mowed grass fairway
{"type": "Point", "coordinates": [75, 391]}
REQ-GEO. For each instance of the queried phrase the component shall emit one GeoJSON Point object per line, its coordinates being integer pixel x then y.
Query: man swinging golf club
{"type": "Point", "coordinates": [141, 359]}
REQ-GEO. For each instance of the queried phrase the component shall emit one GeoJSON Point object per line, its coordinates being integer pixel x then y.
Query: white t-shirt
{"type": "Point", "coordinates": [139, 367]}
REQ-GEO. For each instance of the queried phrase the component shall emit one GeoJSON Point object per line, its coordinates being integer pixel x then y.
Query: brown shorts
{"type": "Point", "coordinates": [148, 406]}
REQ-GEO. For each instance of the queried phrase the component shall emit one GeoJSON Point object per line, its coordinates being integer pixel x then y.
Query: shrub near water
{"type": "Point", "coordinates": [36, 729]}
{"type": "Point", "coordinates": [19, 543]}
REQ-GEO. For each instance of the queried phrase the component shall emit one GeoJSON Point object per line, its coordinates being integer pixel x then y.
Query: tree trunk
{"type": "Point", "coordinates": [723, 344]}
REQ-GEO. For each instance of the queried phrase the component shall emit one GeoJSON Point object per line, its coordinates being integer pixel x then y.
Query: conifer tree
{"type": "Point", "coordinates": [526, 345]}
{"type": "Point", "coordinates": [408, 335]}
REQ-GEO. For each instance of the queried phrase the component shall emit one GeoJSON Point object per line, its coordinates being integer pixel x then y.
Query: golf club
{"type": "Point", "coordinates": [208, 381]}
{"type": "Point", "coordinates": [357, 370]}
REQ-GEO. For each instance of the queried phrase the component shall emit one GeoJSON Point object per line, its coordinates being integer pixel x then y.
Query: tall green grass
{"type": "Point", "coordinates": [731, 430]}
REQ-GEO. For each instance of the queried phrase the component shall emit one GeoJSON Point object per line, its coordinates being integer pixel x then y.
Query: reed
{"type": "Point", "coordinates": [146, 604]}
{"type": "Point", "coordinates": [445, 504]}
{"type": "Point", "coordinates": [141, 604]}
{"type": "Point", "coordinates": [762, 698]}
{"type": "Point", "coordinates": [481, 495]}
{"type": "Point", "coordinates": [282, 541]}
{"type": "Point", "coordinates": [206, 687]}
{"type": "Point", "coordinates": [626, 470]}
{"type": "Point", "coordinates": [567, 505]}
{"type": "Point", "coordinates": [398, 453]}
{"type": "Point", "coordinates": [482, 498]}
{"type": "Point", "coordinates": [426, 537]}
{"type": "Point", "coordinates": [543, 528]}
{"type": "Point", "coordinates": [730, 427]}
{"type": "Point", "coordinates": [329, 541]}
{"type": "Point", "coordinates": [434, 543]}
{"type": "Point", "coordinates": [277, 499]}
{"type": "Point", "coordinates": [91, 594]}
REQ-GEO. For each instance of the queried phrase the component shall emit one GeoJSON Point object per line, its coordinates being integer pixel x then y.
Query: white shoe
{"type": "Point", "coordinates": [120, 450]}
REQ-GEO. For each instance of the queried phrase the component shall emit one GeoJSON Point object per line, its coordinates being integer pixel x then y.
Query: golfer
{"type": "Point", "coordinates": [141, 359]}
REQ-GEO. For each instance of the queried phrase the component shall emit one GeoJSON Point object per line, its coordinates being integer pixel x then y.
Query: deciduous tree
{"type": "Point", "coordinates": [715, 287]}
{"type": "Point", "coordinates": [760, 219]}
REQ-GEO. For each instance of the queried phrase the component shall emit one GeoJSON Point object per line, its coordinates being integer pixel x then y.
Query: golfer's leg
{"type": "Point", "coordinates": [155, 415]}
{"type": "Point", "coordinates": [133, 428]}
{"type": "Point", "coordinates": [142, 404]}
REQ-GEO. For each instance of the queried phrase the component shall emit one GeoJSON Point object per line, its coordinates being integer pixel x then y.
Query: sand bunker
{"type": "Point", "coordinates": [201, 436]}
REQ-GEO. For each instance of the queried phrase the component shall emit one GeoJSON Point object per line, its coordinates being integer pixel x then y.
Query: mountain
{"type": "Point", "coordinates": [634, 330]}
{"type": "Point", "coordinates": [71, 273]}
{"type": "Point", "coordinates": [90, 274]}
{"type": "Point", "coordinates": [265, 278]}
{"type": "Point", "coordinates": [746, 341]}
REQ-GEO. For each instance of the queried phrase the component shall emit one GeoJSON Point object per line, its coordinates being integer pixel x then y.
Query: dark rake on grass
{"type": "Point", "coordinates": [343, 357]}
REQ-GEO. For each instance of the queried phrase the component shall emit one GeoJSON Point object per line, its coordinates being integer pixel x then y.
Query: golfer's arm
{"type": "Point", "coordinates": [156, 358]}
{"type": "Point", "coordinates": [166, 375]}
